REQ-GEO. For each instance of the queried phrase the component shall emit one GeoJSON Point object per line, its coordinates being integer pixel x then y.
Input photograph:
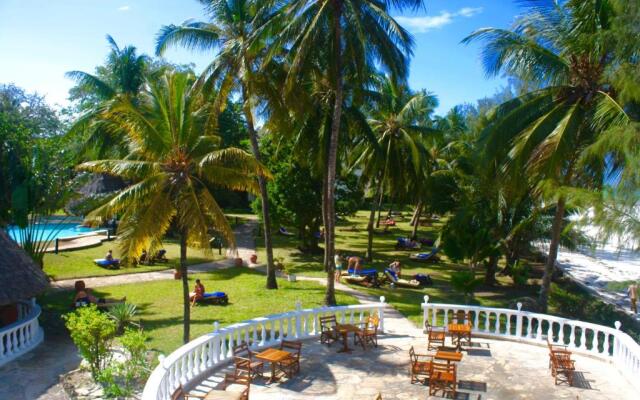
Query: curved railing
{"type": "Point", "coordinates": [610, 344]}
{"type": "Point", "coordinates": [23, 335]}
{"type": "Point", "coordinates": [192, 361]}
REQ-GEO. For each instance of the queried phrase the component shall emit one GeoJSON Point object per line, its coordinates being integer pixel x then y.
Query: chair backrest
{"type": "Point", "coordinates": [412, 356]}
{"type": "Point", "coordinates": [463, 317]}
{"type": "Point", "coordinates": [241, 350]}
{"type": "Point", "coordinates": [428, 327]}
{"type": "Point", "coordinates": [178, 394]}
{"type": "Point", "coordinates": [328, 323]}
{"type": "Point", "coordinates": [238, 379]}
{"type": "Point", "coordinates": [294, 346]}
{"type": "Point", "coordinates": [373, 321]}
{"type": "Point", "coordinates": [446, 368]}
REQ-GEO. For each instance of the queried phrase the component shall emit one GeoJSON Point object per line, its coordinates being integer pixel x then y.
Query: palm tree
{"type": "Point", "coordinates": [339, 35]}
{"type": "Point", "coordinates": [172, 166]}
{"type": "Point", "coordinates": [393, 153]}
{"type": "Point", "coordinates": [563, 49]}
{"type": "Point", "coordinates": [122, 76]}
{"type": "Point", "coordinates": [230, 32]}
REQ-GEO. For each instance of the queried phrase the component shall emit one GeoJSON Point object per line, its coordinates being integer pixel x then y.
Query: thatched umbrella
{"type": "Point", "coordinates": [20, 277]}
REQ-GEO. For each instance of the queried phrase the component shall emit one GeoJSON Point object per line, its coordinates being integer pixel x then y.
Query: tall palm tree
{"type": "Point", "coordinates": [172, 165]}
{"type": "Point", "coordinates": [122, 75]}
{"type": "Point", "coordinates": [563, 49]}
{"type": "Point", "coordinates": [339, 35]}
{"type": "Point", "coordinates": [231, 33]}
{"type": "Point", "coordinates": [393, 153]}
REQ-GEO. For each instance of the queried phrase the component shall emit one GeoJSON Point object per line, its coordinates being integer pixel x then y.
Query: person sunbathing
{"type": "Point", "coordinates": [109, 256]}
{"type": "Point", "coordinates": [144, 257]}
{"type": "Point", "coordinates": [83, 297]}
{"type": "Point", "coordinates": [396, 268]}
{"type": "Point", "coordinates": [355, 265]}
{"type": "Point", "coordinates": [198, 292]}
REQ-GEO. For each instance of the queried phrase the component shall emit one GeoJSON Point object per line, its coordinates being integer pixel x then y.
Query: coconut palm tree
{"type": "Point", "coordinates": [172, 166]}
{"type": "Point", "coordinates": [562, 48]}
{"type": "Point", "coordinates": [122, 76]}
{"type": "Point", "coordinates": [339, 35]}
{"type": "Point", "coordinates": [393, 154]}
{"type": "Point", "coordinates": [230, 32]}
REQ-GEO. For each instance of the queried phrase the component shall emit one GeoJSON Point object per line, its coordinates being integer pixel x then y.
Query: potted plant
{"type": "Point", "coordinates": [279, 263]}
{"type": "Point", "coordinates": [238, 262]}
{"type": "Point", "coordinates": [177, 274]}
{"type": "Point", "coordinates": [254, 258]}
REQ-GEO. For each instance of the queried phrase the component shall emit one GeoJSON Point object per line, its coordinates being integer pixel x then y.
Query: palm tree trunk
{"type": "Point", "coordinates": [372, 217]}
{"type": "Point", "coordinates": [380, 208]}
{"type": "Point", "coordinates": [552, 256]}
{"type": "Point", "coordinates": [264, 197]}
{"type": "Point", "coordinates": [332, 157]}
{"type": "Point", "coordinates": [416, 218]}
{"type": "Point", "coordinates": [185, 288]}
{"type": "Point", "coordinates": [490, 273]}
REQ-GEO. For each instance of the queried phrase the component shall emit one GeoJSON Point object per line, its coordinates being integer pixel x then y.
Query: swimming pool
{"type": "Point", "coordinates": [53, 231]}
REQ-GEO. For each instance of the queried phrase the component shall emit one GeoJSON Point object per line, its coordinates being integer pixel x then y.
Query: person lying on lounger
{"type": "Point", "coordinates": [396, 268]}
{"type": "Point", "coordinates": [83, 297]}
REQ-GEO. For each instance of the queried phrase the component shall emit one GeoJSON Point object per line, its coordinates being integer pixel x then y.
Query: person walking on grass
{"type": "Point", "coordinates": [633, 297]}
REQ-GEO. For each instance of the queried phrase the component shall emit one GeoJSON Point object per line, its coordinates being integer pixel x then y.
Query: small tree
{"type": "Point", "coordinates": [466, 283]}
{"type": "Point", "coordinates": [93, 333]}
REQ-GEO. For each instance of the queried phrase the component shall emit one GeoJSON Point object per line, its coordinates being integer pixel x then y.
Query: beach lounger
{"type": "Point", "coordinates": [284, 232]}
{"type": "Point", "coordinates": [401, 282]}
{"type": "Point", "coordinates": [362, 272]}
{"type": "Point", "coordinates": [110, 264]}
{"type": "Point", "coordinates": [426, 257]}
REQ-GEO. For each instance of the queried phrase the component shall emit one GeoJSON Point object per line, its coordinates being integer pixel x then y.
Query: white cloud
{"type": "Point", "coordinates": [124, 8]}
{"type": "Point", "coordinates": [427, 23]}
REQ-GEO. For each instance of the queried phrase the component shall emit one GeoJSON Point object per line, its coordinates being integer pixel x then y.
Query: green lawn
{"type": "Point", "coordinates": [79, 263]}
{"type": "Point", "coordinates": [351, 239]}
{"type": "Point", "coordinates": [160, 303]}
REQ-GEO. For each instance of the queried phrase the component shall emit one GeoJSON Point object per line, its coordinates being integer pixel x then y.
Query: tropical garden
{"type": "Point", "coordinates": [304, 118]}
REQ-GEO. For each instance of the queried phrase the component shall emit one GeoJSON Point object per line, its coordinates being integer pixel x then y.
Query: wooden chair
{"type": "Point", "coordinates": [243, 359]}
{"type": "Point", "coordinates": [442, 377]}
{"type": "Point", "coordinates": [562, 367]}
{"type": "Point", "coordinates": [369, 332]}
{"type": "Point", "coordinates": [435, 337]}
{"type": "Point", "coordinates": [556, 348]}
{"type": "Point", "coordinates": [244, 380]}
{"type": "Point", "coordinates": [328, 332]}
{"type": "Point", "coordinates": [291, 365]}
{"type": "Point", "coordinates": [419, 367]}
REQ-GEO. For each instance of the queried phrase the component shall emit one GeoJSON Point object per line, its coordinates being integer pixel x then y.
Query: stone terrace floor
{"type": "Point", "coordinates": [490, 369]}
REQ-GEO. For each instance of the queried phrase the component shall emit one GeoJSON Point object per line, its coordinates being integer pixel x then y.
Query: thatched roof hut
{"type": "Point", "coordinates": [20, 277]}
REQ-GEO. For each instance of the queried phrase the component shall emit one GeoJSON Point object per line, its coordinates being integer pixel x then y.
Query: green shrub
{"type": "Point", "coordinates": [123, 315]}
{"type": "Point", "coordinates": [465, 282]}
{"type": "Point", "coordinates": [120, 379]}
{"type": "Point", "coordinates": [93, 333]}
{"type": "Point", "coordinates": [520, 273]}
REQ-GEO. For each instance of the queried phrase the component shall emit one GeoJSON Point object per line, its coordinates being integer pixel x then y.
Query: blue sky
{"type": "Point", "coordinates": [42, 39]}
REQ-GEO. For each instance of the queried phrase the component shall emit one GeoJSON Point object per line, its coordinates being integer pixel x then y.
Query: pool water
{"type": "Point", "coordinates": [52, 231]}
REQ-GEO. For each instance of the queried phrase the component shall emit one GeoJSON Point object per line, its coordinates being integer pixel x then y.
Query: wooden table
{"type": "Point", "coordinates": [344, 330]}
{"type": "Point", "coordinates": [223, 395]}
{"type": "Point", "coordinates": [273, 356]}
{"type": "Point", "coordinates": [458, 331]}
{"type": "Point", "coordinates": [448, 356]}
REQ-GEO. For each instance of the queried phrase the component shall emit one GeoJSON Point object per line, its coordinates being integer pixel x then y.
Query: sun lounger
{"type": "Point", "coordinates": [220, 298]}
{"type": "Point", "coordinates": [406, 244]}
{"type": "Point", "coordinates": [362, 272]}
{"type": "Point", "coordinates": [426, 257]}
{"type": "Point", "coordinates": [401, 282]}
{"type": "Point", "coordinates": [101, 262]}
{"type": "Point", "coordinates": [283, 231]}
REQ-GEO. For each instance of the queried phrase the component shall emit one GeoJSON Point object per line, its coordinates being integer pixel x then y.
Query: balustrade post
{"type": "Point", "coordinates": [519, 320]}
{"type": "Point", "coordinates": [616, 344]}
{"type": "Point", "coordinates": [298, 315]}
{"type": "Point", "coordinates": [381, 313]}
{"type": "Point", "coordinates": [425, 308]}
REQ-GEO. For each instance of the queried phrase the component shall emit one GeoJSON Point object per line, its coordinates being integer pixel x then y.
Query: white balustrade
{"type": "Point", "coordinates": [609, 344]}
{"type": "Point", "coordinates": [23, 335]}
{"type": "Point", "coordinates": [189, 362]}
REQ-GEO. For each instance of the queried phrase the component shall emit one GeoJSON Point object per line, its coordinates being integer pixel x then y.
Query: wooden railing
{"type": "Point", "coordinates": [23, 335]}
{"type": "Point", "coordinates": [192, 361]}
{"type": "Point", "coordinates": [610, 344]}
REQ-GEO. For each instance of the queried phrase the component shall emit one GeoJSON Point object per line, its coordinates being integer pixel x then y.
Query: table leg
{"type": "Point", "coordinates": [345, 343]}
{"type": "Point", "coordinates": [273, 377]}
